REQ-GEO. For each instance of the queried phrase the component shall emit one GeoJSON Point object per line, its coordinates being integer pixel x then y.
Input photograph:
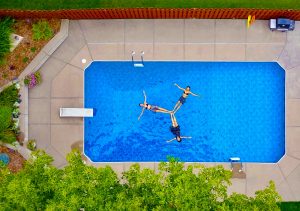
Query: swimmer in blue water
{"type": "Point", "coordinates": [183, 97]}
{"type": "Point", "coordinates": [175, 129]}
{"type": "Point", "coordinates": [152, 108]}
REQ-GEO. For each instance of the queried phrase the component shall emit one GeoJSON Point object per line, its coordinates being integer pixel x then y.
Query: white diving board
{"type": "Point", "coordinates": [76, 112]}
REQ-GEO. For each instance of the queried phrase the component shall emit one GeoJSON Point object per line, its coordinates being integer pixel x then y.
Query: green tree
{"type": "Point", "coordinates": [30, 188]}
{"type": "Point", "coordinates": [264, 200]}
{"type": "Point", "coordinates": [175, 187]}
{"type": "Point", "coordinates": [40, 186]}
{"type": "Point", "coordinates": [83, 186]}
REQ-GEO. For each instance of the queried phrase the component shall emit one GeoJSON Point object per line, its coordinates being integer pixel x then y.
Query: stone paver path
{"type": "Point", "coordinates": [202, 40]}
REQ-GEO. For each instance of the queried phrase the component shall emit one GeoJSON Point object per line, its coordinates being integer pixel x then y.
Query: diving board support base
{"type": "Point", "coordinates": [237, 168]}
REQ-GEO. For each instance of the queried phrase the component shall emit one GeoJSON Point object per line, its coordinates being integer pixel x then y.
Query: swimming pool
{"type": "Point", "coordinates": [240, 111]}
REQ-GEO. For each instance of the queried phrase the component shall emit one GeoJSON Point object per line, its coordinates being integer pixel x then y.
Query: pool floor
{"type": "Point", "coordinates": [240, 111]}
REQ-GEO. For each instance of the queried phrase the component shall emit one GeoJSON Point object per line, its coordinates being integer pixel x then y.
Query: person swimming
{"type": "Point", "coordinates": [152, 108]}
{"type": "Point", "coordinates": [175, 130]}
{"type": "Point", "coordinates": [183, 97]}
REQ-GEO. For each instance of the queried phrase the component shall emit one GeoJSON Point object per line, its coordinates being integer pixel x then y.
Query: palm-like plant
{"type": "Point", "coordinates": [7, 135]}
{"type": "Point", "coordinates": [5, 41]}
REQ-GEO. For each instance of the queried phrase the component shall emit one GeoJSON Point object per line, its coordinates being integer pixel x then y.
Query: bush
{"type": "Point", "coordinates": [289, 206]}
{"type": "Point", "coordinates": [9, 96]}
{"type": "Point", "coordinates": [9, 113]}
{"type": "Point", "coordinates": [31, 145]}
{"type": "Point", "coordinates": [33, 79]}
{"type": "Point", "coordinates": [5, 117]}
{"type": "Point", "coordinates": [5, 41]}
{"type": "Point", "coordinates": [42, 31]}
{"type": "Point", "coordinates": [7, 134]}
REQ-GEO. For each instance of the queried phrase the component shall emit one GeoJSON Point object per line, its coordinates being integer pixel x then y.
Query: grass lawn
{"type": "Point", "coordinates": [289, 206]}
{"type": "Point", "coordinates": [75, 4]}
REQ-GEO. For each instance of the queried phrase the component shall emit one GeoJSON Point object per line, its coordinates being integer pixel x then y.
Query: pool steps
{"type": "Point", "coordinates": [137, 64]}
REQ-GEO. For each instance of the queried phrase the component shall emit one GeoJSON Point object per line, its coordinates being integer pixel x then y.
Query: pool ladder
{"type": "Point", "coordinates": [137, 64]}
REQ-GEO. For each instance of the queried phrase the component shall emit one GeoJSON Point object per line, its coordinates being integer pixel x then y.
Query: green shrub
{"type": "Point", "coordinates": [33, 49]}
{"type": "Point", "coordinates": [8, 136]}
{"type": "Point", "coordinates": [25, 59]}
{"type": "Point", "coordinates": [5, 41]}
{"type": "Point", "coordinates": [31, 145]}
{"type": "Point", "coordinates": [42, 31]}
{"type": "Point", "coordinates": [9, 109]}
{"type": "Point", "coordinates": [26, 81]}
{"type": "Point", "coordinates": [33, 79]}
{"type": "Point", "coordinates": [9, 96]}
{"type": "Point", "coordinates": [289, 206]}
{"type": "Point", "coordinates": [4, 75]}
{"type": "Point", "coordinates": [38, 77]}
{"type": "Point", "coordinates": [5, 118]}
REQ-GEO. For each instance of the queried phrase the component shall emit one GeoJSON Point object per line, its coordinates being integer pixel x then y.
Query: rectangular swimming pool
{"type": "Point", "coordinates": [240, 111]}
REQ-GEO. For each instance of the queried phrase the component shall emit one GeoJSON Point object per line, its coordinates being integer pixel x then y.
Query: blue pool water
{"type": "Point", "coordinates": [241, 111]}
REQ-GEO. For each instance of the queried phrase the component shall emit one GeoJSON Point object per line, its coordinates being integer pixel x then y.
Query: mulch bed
{"type": "Point", "coordinates": [24, 53]}
{"type": "Point", "coordinates": [16, 162]}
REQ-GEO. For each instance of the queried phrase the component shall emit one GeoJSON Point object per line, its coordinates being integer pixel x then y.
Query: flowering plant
{"type": "Point", "coordinates": [33, 79]}
{"type": "Point", "coordinates": [17, 85]}
{"type": "Point", "coordinates": [31, 144]}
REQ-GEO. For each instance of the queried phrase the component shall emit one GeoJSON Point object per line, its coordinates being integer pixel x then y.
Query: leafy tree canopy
{"type": "Point", "coordinates": [41, 186]}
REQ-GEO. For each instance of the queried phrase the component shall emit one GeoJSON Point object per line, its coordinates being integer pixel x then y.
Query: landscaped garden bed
{"type": "Point", "coordinates": [33, 41]}
{"type": "Point", "coordinates": [16, 161]}
{"type": "Point", "coordinates": [9, 127]}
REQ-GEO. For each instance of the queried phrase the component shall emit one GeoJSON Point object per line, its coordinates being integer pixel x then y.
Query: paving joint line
{"type": "Point", "coordinates": [51, 80]}
{"type": "Point", "coordinates": [291, 191]}
{"type": "Point", "coordinates": [285, 180]}
{"type": "Point", "coordinates": [85, 40]}
{"type": "Point", "coordinates": [292, 67]}
{"type": "Point", "coordinates": [215, 39]}
{"type": "Point", "coordinates": [293, 157]}
{"type": "Point", "coordinates": [68, 123]}
{"type": "Point", "coordinates": [153, 43]}
{"type": "Point", "coordinates": [67, 98]}
{"type": "Point", "coordinates": [281, 52]}
{"type": "Point", "coordinates": [40, 124]}
{"type": "Point", "coordinates": [50, 107]}
{"type": "Point", "coordinates": [66, 63]}
{"type": "Point", "coordinates": [284, 46]}
{"type": "Point", "coordinates": [246, 38]}
{"type": "Point", "coordinates": [293, 170]}
{"type": "Point", "coordinates": [190, 43]}
{"type": "Point", "coordinates": [41, 98]}
{"type": "Point", "coordinates": [246, 180]}
{"type": "Point", "coordinates": [124, 45]}
{"type": "Point", "coordinates": [53, 148]}
{"type": "Point", "coordinates": [184, 48]}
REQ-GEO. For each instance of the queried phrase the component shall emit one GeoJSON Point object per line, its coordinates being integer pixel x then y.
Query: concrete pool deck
{"type": "Point", "coordinates": [184, 40]}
